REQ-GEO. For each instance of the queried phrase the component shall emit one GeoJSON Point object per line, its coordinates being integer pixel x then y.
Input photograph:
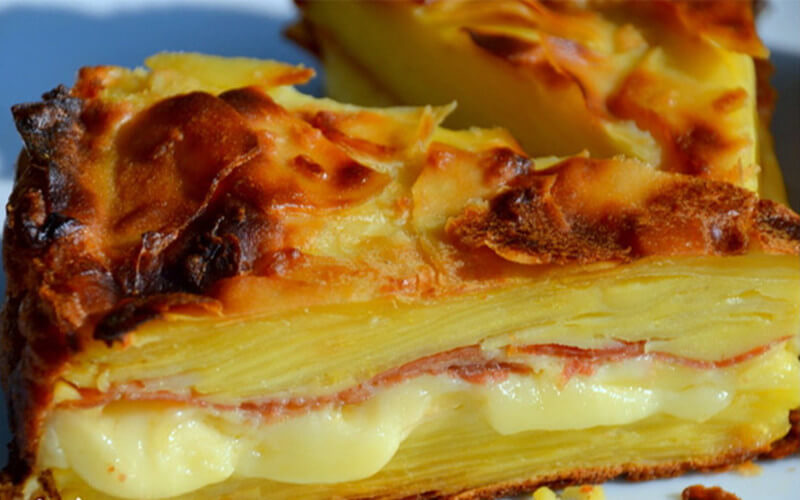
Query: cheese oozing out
{"type": "Point", "coordinates": [142, 449]}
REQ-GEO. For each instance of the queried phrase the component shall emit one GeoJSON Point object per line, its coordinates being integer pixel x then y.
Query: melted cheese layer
{"type": "Point", "coordinates": [157, 450]}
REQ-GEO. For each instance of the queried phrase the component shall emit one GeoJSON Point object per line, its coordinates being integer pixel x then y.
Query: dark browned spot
{"type": "Point", "coordinates": [46, 126]}
{"type": "Point", "coordinates": [130, 313]}
{"type": "Point", "coordinates": [179, 148]}
{"type": "Point", "coordinates": [352, 176]}
{"type": "Point", "coordinates": [308, 167]}
{"type": "Point", "coordinates": [516, 205]}
{"type": "Point", "coordinates": [727, 238]}
{"type": "Point", "coordinates": [704, 216]}
{"type": "Point", "coordinates": [690, 144]}
{"type": "Point", "coordinates": [527, 225]}
{"type": "Point", "coordinates": [212, 257]}
{"type": "Point", "coordinates": [197, 133]}
{"type": "Point", "coordinates": [98, 118]}
{"type": "Point", "coordinates": [779, 226]}
{"type": "Point", "coordinates": [698, 146]}
{"type": "Point", "coordinates": [251, 102]}
{"type": "Point", "coordinates": [225, 241]}
{"type": "Point", "coordinates": [528, 54]}
{"type": "Point", "coordinates": [700, 492]}
{"type": "Point", "coordinates": [501, 165]}
{"type": "Point", "coordinates": [538, 221]}
{"type": "Point", "coordinates": [501, 45]}
{"type": "Point", "coordinates": [55, 226]}
{"type": "Point", "coordinates": [780, 218]}
{"type": "Point", "coordinates": [33, 226]}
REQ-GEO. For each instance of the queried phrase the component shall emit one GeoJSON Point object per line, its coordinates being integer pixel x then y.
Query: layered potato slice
{"type": "Point", "coordinates": [679, 84]}
{"type": "Point", "coordinates": [222, 288]}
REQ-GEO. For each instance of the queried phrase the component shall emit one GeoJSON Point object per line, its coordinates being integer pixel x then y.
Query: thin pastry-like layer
{"type": "Point", "coordinates": [212, 275]}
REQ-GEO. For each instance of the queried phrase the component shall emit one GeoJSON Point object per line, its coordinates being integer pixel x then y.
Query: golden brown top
{"type": "Point", "coordinates": [139, 192]}
{"type": "Point", "coordinates": [209, 186]}
{"type": "Point", "coordinates": [682, 71]}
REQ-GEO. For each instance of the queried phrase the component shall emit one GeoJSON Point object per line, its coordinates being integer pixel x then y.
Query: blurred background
{"type": "Point", "coordinates": [44, 42]}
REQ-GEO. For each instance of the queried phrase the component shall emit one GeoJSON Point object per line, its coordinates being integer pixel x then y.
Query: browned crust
{"type": "Point", "coordinates": [54, 282]}
{"type": "Point", "coordinates": [89, 263]}
{"type": "Point", "coordinates": [538, 221]}
{"type": "Point", "coordinates": [700, 492]}
{"type": "Point", "coordinates": [89, 255]}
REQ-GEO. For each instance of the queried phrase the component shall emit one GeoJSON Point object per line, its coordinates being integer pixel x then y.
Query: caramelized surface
{"type": "Point", "coordinates": [206, 188]}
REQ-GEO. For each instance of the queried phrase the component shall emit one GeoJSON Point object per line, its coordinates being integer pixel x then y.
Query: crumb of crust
{"type": "Point", "coordinates": [748, 469]}
{"type": "Point", "coordinates": [583, 492]}
{"type": "Point", "coordinates": [700, 492]}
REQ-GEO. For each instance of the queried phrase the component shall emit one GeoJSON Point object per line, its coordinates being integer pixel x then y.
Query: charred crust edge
{"type": "Point", "coordinates": [42, 124]}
